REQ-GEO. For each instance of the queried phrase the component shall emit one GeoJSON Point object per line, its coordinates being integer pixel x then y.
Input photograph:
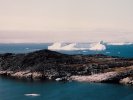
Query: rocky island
{"type": "Point", "coordinates": [51, 65]}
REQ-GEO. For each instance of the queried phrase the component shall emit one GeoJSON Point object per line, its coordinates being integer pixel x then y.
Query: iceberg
{"type": "Point", "coordinates": [34, 95]}
{"type": "Point", "coordinates": [71, 46]}
{"type": "Point", "coordinates": [63, 46]}
{"type": "Point", "coordinates": [56, 46]}
{"type": "Point", "coordinates": [77, 46]}
{"type": "Point", "coordinates": [98, 47]}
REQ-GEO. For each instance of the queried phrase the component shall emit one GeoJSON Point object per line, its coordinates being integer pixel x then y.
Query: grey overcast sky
{"type": "Point", "coordinates": [66, 20]}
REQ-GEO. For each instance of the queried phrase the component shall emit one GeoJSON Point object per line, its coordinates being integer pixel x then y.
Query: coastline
{"type": "Point", "coordinates": [51, 65]}
{"type": "Point", "coordinates": [124, 76]}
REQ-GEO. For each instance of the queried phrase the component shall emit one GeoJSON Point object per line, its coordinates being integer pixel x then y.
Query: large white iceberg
{"type": "Point", "coordinates": [55, 46]}
{"type": "Point", "coordinates": [63, 46]}
{"type": "Point", "coordinates": [98, 47]}
{"type": "Point", "coordinates": [77, 46]}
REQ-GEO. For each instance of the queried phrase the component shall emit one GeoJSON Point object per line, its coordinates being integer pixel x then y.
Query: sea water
{"type": "Point", "coordinates": [50, 90]}
{"type": "Point", "coordinates": [111, 50]}
{"type": "Point", "coordinates": [16, 90]}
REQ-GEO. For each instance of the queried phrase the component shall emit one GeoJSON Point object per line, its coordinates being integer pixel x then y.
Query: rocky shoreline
{"type": "Point", "coordinates": [51, 65]}
{"type": "Point", "coordinates": [122, 77]}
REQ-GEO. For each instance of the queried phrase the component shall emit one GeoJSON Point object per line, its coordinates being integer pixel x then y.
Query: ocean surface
{"type": "Point", "coordinates": [50, 90]}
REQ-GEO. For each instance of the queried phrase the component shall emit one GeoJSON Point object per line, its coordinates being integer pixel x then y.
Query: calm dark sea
{"type": "Point", "coordinates": [18, 90]}
{"type": "Point", "coordinates": [113, 50]}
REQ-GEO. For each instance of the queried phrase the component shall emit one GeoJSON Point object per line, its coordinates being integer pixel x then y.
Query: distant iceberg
{"type": "Point", "coordinates": [98, 47]}
{"type": "Point", "coordinates": [77, 46]}
{"type": "Point", "coordinates": [63, 46]}
{"type": "Point", "coordinates": [33, 94]}
{"type": "Point", "coordinates": [57, 46]}
{"type": "Point", "coordinates": [120, 43]}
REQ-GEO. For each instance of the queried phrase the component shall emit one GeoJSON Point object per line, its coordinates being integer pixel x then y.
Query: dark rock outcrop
{"type": "Point", "coordinates": [45, 64]}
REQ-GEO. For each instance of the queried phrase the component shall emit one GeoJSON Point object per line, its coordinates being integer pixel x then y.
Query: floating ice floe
{"type": "Point", "coordinates": [77, 46]}
{"type": "Point", "coordinates": [119, 52]}
{"type": "Point", "coordinates": [58, 79]}
{"type": "Point", "coordinates": [33, 95]}
{"type": "Point", "coordinates": [107, 52]}
{"type": "Point", "coordinates": [84, 51]}
{"type": "Point", "coordinates": [27, 48]}
{"type": "Point", "coordinates": [120, 43]}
